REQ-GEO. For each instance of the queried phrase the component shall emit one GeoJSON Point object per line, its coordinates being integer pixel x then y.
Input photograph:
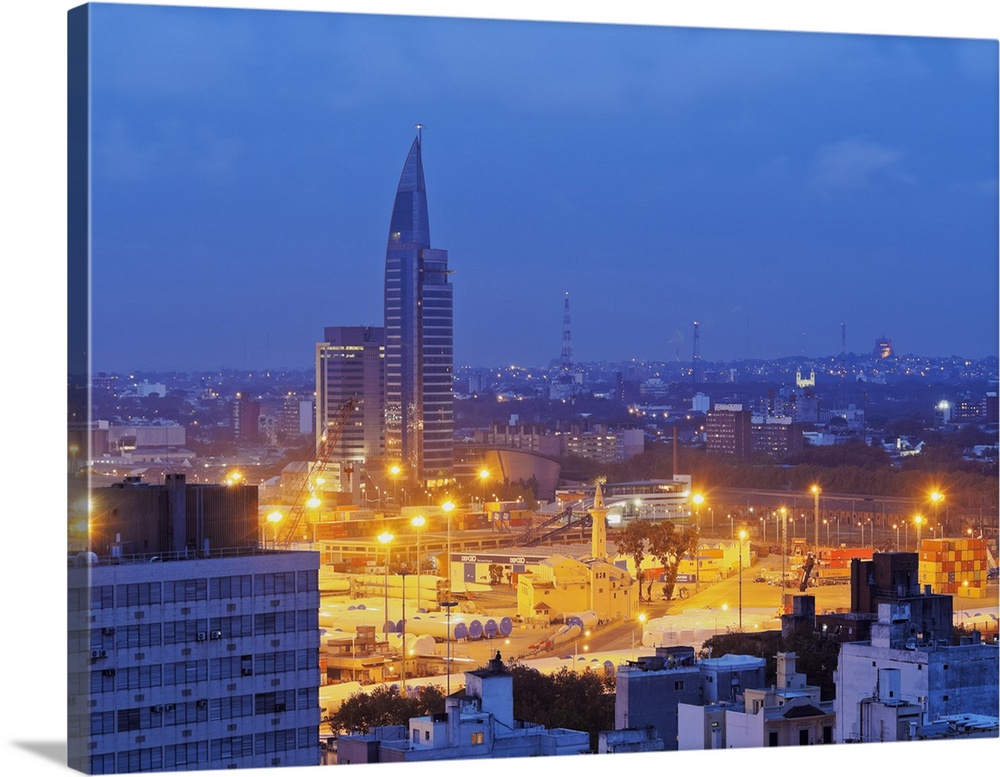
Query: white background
{"type": "Point", "coordinates": [32, 379]}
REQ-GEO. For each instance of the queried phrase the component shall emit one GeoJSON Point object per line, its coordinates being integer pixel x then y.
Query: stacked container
{"type": "Point", "coordinates": [954, 566]}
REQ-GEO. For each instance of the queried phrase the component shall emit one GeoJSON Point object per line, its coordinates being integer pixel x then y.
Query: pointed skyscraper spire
{"type": "Point", "coordinates": [409, 224]}
{"type": "Point", "coordinates": [418, 335]}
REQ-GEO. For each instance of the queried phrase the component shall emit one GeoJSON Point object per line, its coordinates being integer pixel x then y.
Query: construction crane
{"type": "Point", "coordinates": [320, 464]}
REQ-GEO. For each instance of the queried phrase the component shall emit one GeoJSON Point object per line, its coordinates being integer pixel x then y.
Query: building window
{"type": "Point", "coordinates": [772, 739]}
{"type": "Point", "coordinates": [477, 738]}
{"type": "Point", "coordinates": [678, 685]}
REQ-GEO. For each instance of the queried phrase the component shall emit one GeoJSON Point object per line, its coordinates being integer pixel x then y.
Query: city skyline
{"type": "Point", "coordinates": [36, 239]}
{"type": "Point", "coordinates": [770, 185]}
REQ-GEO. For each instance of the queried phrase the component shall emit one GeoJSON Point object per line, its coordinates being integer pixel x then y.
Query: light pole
{"type": "Point", "coordinates": [448, 507]}
{"type": "Point", "coordinates": [783, 512]}
{"type": "Point", "coordinates": [826, 523]}
{"type": "Point", "coordinates": [394, 471]}
{"type": "Point", "coordinates": [386, 539]}
{"type": "Point", "coordinates": [576, 651]}
{"type": "Point", "coordinates": [743, 536]}
{"type": "Point", "coordinates": [418, 522]}
{"type": "Point", "coordinates": [484, 475]}
{"type": "Point", "coordinates": [448, 605]}
{"type": "Point", "coordinates": [642, 624]}
{"type": "Point", "coordinates": [697, 499]}
{"type": "Point", "coordinates": [815, 491]}
{"type": "Point", "coordinates": [896, 527]}
{"type": "Point", "coordinates": [274, 519]}
{"type": "Point", "coordinates": [861, 525]}
{"type": "Point", "coordinates": [936, 497]}
{"type": "Point", "coordinates": [402, 630]}
{"type": "Point", "coordinates": [918, 520]}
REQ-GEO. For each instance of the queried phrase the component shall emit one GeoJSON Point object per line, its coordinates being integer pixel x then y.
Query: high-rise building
{"type": "Point", "coordinates": [206, 662]}
{"type": "Point", "coordinates": [189, 645]}
{"type": "Point", "coordinates": [727, 430]}
{"type": "Point", "coordinates": [418, 336]}
{"type": "Point", "coordinates": [350, 365]}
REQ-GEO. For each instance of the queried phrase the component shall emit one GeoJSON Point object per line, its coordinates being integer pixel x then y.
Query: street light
{"type": "Point", "coordinates": [642, 624]}
{"type": "Point", "coordinates": [896, 527]}
{"type": "Point", "coordinates": [697, 499]}
{"type": "Point", "coordinates": [386, 539]}
{"type": "Point", "coordinates": [743, 536]}
{"type": "Point", "coordinates": [418, 521]}
{"type": "Point", "coordinates": [918, 521]}
{"type": "Point", "coordinates": [815, 491]}
{"type": "Point", "coordinates": [826, 523]}
{"type": "Point", "coordinates": [448, 507]}
{"type": "Point", "coordinates": [394, 471]}
{"type": "Point", "coordinates": [783, 510]}
{"type": "Point", "coordinates": [275, 518]}
{"type": "Point", "coordinates": [448, 606]}
{"type": "Point", "coordinates": [484, 475]}
{"type": "Point", "coordinates": [402, 631]}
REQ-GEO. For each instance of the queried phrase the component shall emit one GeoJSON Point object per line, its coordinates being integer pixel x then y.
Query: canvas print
{"type": "Point", "coordinates": [446, 389]}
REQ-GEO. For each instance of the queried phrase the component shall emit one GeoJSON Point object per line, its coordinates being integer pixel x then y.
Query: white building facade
{"type": "Point", "coordinates": [205, 663]}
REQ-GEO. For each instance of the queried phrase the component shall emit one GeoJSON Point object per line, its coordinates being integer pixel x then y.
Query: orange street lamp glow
{"type": "Point", "coordinates": [274, 518]}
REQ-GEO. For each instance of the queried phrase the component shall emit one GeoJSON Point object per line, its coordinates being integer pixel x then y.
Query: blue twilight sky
{"type": "Point", "coordinates": [770, 185]}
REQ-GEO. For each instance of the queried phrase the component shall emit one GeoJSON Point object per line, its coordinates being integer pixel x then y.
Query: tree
{"type": "Point", "coordinates": [384, 706]}
{"type": "Point", "coordinates": [631, 542]}
{"type": "Point", "coordinates": [582, 701]}
{"type": "Point", "coordinates": [669, 546]}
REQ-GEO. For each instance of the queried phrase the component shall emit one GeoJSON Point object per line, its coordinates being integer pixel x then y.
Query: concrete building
{"type": "Point", "coordinates": [205, 663]}
{"type": "Point", "coordinates": [244, 417]}
{"type": "Point", "coordinates": [788, 713]}
{"type": "Point", "coordinates": [727, 430]}
{"type": "Point", "coordinates": [297, 417]}
{"type": "Point", "coordinates": [350, 365]}
{"type": "Point", "coordinates": [134, 518]}
{"type": "Point", "coordinates": [604, 445]}
{"type": "Point", "coordinates": [566, 585]}
{"type": "Point", "coordinates": [650, 690]}
{"type": "Point", "coordinates": [941, 679]}
{"type": "Point", "coordinates": [418, 336]}
{"type": "Point", "coordinates": [892, 578]}
{"type": "Point", "coordinates": [777, 436]}
{"type": "Point", "coordinates": [561, 584]}
{"type": "Point", "coordinates": [478, 722]}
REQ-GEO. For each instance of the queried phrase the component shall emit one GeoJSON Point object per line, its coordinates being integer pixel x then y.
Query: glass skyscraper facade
{"type": "Point", "coordinates": [418, 336]}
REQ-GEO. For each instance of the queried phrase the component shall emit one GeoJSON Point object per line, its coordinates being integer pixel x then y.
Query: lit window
{"type": "Point", "coordinates": [477, 738]}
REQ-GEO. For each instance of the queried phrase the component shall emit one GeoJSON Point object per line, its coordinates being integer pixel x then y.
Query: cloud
{"type": "Point", "coordinates": [855, 164]}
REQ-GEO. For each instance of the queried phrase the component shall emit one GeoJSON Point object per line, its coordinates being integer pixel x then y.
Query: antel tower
{"type": "Point", "coordinates": [418, 337]}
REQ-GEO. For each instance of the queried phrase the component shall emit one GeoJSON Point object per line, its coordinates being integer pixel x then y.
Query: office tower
{"type": "Point", "coordinates": [727, 430]}
{"type": "Point", "coordinates": [418, 336]}
{"type": "Point", "coordinates": [189, 645]}
{"type": "Point", "coordinates": [206, 662]}
{"type": "Point", "coordinates": [350, 364]}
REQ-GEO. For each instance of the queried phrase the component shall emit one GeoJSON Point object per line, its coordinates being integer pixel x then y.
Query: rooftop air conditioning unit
{"type": "Point", "coordinates": [202, 703]}
{"type": "Point", "coordinates": [247, 671]}
{"type": "Point", "coordinates": [157, 708]}
{"type": "Point", "coordinates": [216, 635]}
{"type": "Point", "coordinates": [171, 707]}
{"type": "Point", "coordinates": [202, 636]}
{"type": "Point", "coordinates": [104, 654]}
{"type": "Point", "coordinates": [95, 653]}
